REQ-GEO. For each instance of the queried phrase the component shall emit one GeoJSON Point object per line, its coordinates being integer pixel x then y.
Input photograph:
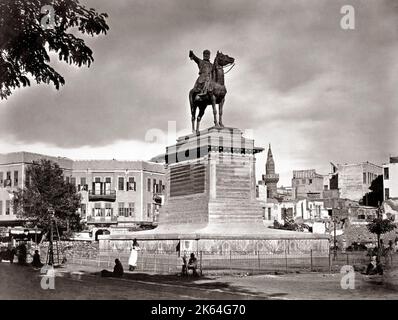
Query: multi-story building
{"type": "Point", "coordinates": [285, 193]}
{"type": "Point", "coordinates": [114, 193]}
{"type": "Point", "coordinates": [12, 176]}
{"type": "Point", "coordinates": [297, 210]}
{"type": "Point", "coordinates": [353, 180]}
{"type": "Point", "coordinates": [390, 179]}
{"type": "Point", "coordinates": [308, 184]}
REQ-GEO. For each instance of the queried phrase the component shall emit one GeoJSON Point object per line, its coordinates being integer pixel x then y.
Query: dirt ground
{"type": "Point", "coordinates": [81, 282]}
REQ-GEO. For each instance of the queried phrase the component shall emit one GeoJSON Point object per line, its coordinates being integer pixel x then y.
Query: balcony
{"type": "Point", "coordinates": [82, 187]}
{"type": "Point", "coordinates": [271, 177]}
{"type": "Point", "coordinates": [101, 220]}
{"type": "Point", "coordinates": [158, 198]}
{"type": "Point", "coordinates": [103, 195]}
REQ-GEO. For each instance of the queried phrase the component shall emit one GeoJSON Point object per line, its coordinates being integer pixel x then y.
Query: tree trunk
{"type": "Point", "coordinates": [378, 247]}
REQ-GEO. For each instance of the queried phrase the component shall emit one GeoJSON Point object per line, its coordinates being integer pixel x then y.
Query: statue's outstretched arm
{"type": "Point", "coordinates": [192, 56]}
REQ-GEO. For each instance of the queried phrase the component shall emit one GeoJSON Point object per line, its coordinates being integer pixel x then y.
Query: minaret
{"type": "Point", "coordinates": [270, 178]}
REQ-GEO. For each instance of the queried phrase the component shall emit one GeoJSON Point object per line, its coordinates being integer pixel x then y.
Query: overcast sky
{"type": "Point", "coordinates": [316, 92]}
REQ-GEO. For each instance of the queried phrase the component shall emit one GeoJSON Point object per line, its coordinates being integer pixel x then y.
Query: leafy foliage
{"type": "Point", "coordinates": [45, 187]}
{"type": "Point", "coordinates": [375, 197]}
{"type": "Point", "coordinates": [380, 226]}
{"type": "Point", "coordinates": [25, 45]}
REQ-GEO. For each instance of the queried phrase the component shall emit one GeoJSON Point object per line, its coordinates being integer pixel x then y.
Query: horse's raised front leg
{"type": "Point", "coordinates": [213, 103]}
{"type": "Point", "coordinates": [220, 111]}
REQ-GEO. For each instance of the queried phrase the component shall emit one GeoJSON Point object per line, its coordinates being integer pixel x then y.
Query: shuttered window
{"type": "Point", "coordinates": [108, 210]}
{"type": "Point", "coordinates": [16, 178]}
{"type": "Point", "coordinates": [131, 209]}
{"type": "Point", "coordinates": [131, 184]}
{"type": "Point", "coordinates": [121, 184]}
{"type": "Point", "coordinates": [8, 207]}
{"type": "Point", "coordinates": [121, 209]}
{"type": "Point", "coordinates": [83, 210]}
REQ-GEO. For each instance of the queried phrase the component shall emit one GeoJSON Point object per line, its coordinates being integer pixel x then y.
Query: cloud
{"type": "Point", "coordinates": [316, 92]}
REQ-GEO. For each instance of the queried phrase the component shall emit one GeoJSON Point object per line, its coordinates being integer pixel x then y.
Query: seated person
{"type": "Point", "coordinates": [36, 263]}
{"type": "Point", "coordinates": [193, 264]}
{"type": "Point", "coordinates": [7, 255]}
{"type": "Point", "coordinates": [374, 267]}
{"type": "Point", "coordinates": [117, 270]}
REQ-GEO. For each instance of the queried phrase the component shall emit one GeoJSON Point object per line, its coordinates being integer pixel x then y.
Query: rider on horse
{"type": "Point", "coordinates": [202, 85]}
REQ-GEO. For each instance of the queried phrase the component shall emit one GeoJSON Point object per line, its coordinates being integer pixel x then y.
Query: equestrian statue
{"type": "Point", "coordinates": [209, 88]}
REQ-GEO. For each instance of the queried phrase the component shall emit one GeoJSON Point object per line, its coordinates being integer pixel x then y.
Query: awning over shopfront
{"type": "Point", "coordinates": [20, 231]}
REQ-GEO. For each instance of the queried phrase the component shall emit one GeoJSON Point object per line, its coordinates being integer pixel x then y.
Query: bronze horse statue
{"type": "Point", "coordinates": [216, 94]}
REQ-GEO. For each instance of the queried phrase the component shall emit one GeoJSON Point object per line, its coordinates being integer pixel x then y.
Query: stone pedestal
{"type": "Point", "coordinates": [211, 197]}
{"type": "Point", "coordinates": [211, 183]}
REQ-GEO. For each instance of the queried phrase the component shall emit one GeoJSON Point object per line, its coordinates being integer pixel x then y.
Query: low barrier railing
{"type": "Point", "coordinates": [230, 261]}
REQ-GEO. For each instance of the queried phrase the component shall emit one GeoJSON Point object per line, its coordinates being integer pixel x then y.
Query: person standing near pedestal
{"type": "Point", "coordinates": [134, 255]}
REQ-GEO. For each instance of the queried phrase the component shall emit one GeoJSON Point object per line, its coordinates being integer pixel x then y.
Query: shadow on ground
{"type": "Point", "coordinates": [200, 282]}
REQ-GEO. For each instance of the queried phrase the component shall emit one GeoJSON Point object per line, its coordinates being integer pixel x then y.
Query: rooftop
{"type": "Point", "coordinates": [393, 159]}
{"type": "Point", "coordinates": [66, 163]}
{"type": "Point", "coordinates": [118, 165]}
{"type": "Point", "coordinates": [29, 157]}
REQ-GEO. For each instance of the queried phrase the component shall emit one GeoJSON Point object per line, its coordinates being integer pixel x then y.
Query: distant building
{"type": "Point", "coordinates": [353, 180]}
{"type": "Point", "coordinates": [12, 176]}
{"type": "Point", "coordinates": [390, 179]}
{"type": "Point", "coordinates": [270, 178]}
{"type": "Point", "coordinates": [285, 193]}
{"type": "Point", "coordinates": [302, 210]}
{"type": "Point", "coordinates": [121, 193]}
{"type": "Point", "coordinates": [390, 209]}
{"type": "Point", "coordinates": [114, 193]}
{"type": "Point", "coordinates": [308, 184]}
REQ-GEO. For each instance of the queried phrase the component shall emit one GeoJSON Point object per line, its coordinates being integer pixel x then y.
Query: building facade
{"type": "Point", "coordinates": [123, 193]}
{"type": "Point", "coordinates": [285, 193]}
{"type": "Point", "coordinates": [308, 184]}
{"type": "Point", "coordinates": [113, 193]}
{"type": "Point", "coordinates": [390, 179]}
{"type": "Point", "coordinates": [353, 180]}
{"type": "Point", "coordinates": [12, 176]}
{"type": "Point", "coordinates": [303, 210]}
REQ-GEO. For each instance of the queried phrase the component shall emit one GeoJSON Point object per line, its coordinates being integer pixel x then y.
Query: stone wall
{"type": "Point", "coordinates": [85, 249]}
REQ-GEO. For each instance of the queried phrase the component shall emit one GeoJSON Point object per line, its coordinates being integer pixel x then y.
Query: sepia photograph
{"type": "Point", "coordinates": [198, 151]}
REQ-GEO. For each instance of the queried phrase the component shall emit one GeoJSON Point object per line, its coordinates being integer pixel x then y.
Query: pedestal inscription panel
{"type": "Point", "coordinates": [187, 179]}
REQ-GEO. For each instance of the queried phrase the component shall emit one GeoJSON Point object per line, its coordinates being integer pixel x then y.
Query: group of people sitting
{"type": "Point", "coordinates": [190, 265]}
{"type": "Point", "coordinates": [21, 252]}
